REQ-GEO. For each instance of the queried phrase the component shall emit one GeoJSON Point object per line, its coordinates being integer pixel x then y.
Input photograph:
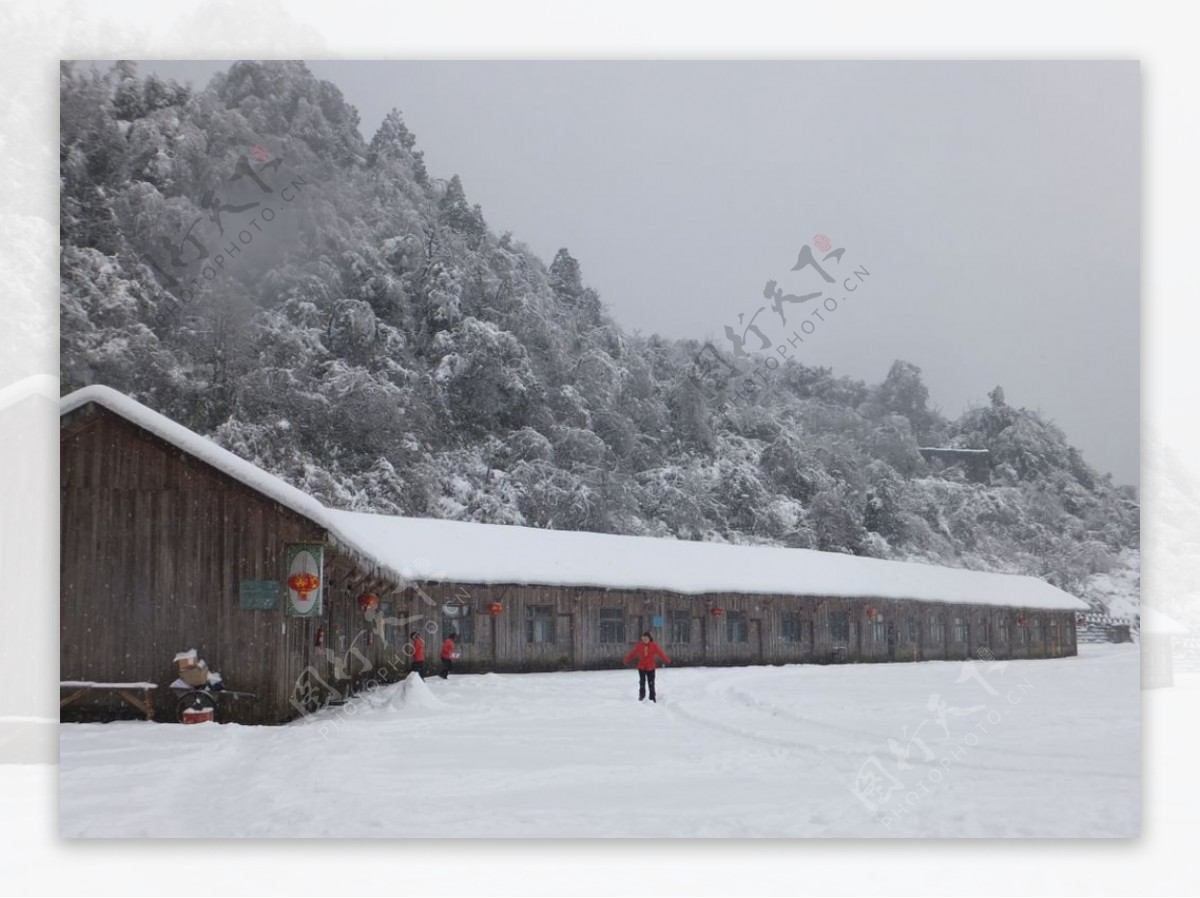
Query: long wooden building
{"type": "Point", "coordinates": [170, 542]}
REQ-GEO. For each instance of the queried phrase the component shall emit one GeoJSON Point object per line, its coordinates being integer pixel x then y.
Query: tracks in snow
{"type": "Point", "coordinates": [728, 691]}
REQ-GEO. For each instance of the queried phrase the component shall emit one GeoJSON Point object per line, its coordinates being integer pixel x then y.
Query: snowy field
{"type": "Point", "coordinates": [941, 749]}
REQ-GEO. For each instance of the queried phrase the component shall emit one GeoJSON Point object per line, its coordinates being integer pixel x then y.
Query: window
{"type": "Point", "coordinates": [1037, 630]}
{"type": "Point", "coordinates": [681, 626]}
{"type": "Point", "coordinates": [839, 628]}
{"type": "Point", "coordinates": [937, 630]}
{"type": "Point", "coordinates": [1054, 632]}
{"type": "Point", "coordinates": [459, 620]}
{"type": "Point", "coordinates": [914, 630]}
{"type": "Point", "coordinates": [791, 627]}
{"type": "Point", "coordinates": [795, 628]}
{"type": "Point", "coordinates": [960, 629]}
{"type": "Point", "coordinates": [1023, 634]}
{"type": "Point", "coordinates": [1005, 632]}
{"type": "Point", "coordinates": [612, 625]}
{"type": "Point", "coordinates": [879, 630]}
{"type": "Point", "coordinates": [737, 626]}
{"type": "Point", "coordinates": [539, 623]}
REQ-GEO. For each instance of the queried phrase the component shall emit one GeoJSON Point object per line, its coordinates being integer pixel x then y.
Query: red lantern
{"type": "Point", "coordinates": [368, 601]}
{"type": "Point", "coordinates": [319, 640]}
{"type": "Point", "coordinates": [872, 614]}
{"type": "Point", "coordinates": [1021, 622]}
{"type": "Point", "coordinates": [304, 583]}
{"type": "Point", "coordinates": [494, 608]}
{"type": "Point", "coordinates": [718, 612]}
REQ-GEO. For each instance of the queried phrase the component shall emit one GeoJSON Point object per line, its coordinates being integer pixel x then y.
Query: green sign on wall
{"type": "Point", "coordinates": [258, 595]}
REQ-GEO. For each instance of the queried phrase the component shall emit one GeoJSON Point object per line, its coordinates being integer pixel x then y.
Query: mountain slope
{"type": "Point", "coordinates": [240, 259]}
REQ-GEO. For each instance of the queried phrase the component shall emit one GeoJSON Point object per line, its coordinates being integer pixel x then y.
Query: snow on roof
{"type": "Point", "coordinates": [194, 444]}
{"type": "Point", "coordinates": [436, 550]}
{"type": "Point", "coordinates": [426, 549]}
{"type": "Point", "coordinates": [220, 458]}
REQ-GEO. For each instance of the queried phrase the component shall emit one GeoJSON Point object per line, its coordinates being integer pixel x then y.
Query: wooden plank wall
{"type": "Point", "coordinates": [501, 643]}
{"type": "Point", "coordinates": [153, 546]}
{"type": "Point", "coordinates": [361, 649]}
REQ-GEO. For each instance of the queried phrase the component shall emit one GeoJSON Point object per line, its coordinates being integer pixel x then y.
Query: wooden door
{"type": "Point", "coordinates": [756, 639]}
{"type": "Point", "coordinates": [839, 635]}
{"type": "Point", "coordinates": [565, 636]}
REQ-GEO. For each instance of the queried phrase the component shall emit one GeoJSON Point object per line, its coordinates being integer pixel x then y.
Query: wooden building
{"type": "Point", "coordinates": [528, 599]}
{"type": "Point", "coordinates": [170, 542]}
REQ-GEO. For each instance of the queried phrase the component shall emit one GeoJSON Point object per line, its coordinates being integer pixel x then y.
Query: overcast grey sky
{"type": "Point", "coordinates": [996, 205]}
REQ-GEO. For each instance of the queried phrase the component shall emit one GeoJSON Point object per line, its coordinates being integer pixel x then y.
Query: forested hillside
{"type": "Point", "coordinates": [334, 310]}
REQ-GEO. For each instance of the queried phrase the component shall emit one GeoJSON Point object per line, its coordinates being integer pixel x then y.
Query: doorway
{"type": "Point", "coordinates": [566, 638]}
{"type": "Point", "coordinates": [756, 639]}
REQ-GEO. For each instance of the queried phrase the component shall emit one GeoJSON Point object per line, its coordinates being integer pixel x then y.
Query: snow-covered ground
{"type": "Point", "coordinates": [1031, 748]}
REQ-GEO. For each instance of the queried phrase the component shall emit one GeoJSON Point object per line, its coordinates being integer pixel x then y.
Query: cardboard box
{"type": "Point", "coordinates": [195, 675]}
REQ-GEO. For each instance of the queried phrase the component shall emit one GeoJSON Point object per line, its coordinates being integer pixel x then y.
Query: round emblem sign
{"type": "Point", "coordinates": [304, 582]}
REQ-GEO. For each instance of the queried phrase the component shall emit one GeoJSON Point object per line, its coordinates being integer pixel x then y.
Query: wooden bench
{"type": "Point", "coordinates": [140, 695]}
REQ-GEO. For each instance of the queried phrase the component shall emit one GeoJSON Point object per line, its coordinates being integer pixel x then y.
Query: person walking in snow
{"type": "Point", "coordinates": [645, 652]}
{"type": "Point", "coordinates": [418, 654]}
{"type": "Point", "coordinates": [448, 655]}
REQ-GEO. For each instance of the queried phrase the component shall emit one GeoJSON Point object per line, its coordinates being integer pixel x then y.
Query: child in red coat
{"type": "Point", "coordinates": [418, 655]}
{"type": "Point", "coordinates": [448, 655]}
{"type": "Point", "coordinates": [645, 652]}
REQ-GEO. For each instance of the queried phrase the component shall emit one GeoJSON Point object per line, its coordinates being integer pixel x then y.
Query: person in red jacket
{"type": "Point", "coordinates": [646, 651]}
{"type": "Point", "coordinates": [418, 654]}
{"type": "Point", "coordinates": [448, 655]}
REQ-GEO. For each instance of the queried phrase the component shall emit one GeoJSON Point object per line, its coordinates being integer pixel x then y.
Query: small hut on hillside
{"type": "Point", "coordinates": [170, 542]}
